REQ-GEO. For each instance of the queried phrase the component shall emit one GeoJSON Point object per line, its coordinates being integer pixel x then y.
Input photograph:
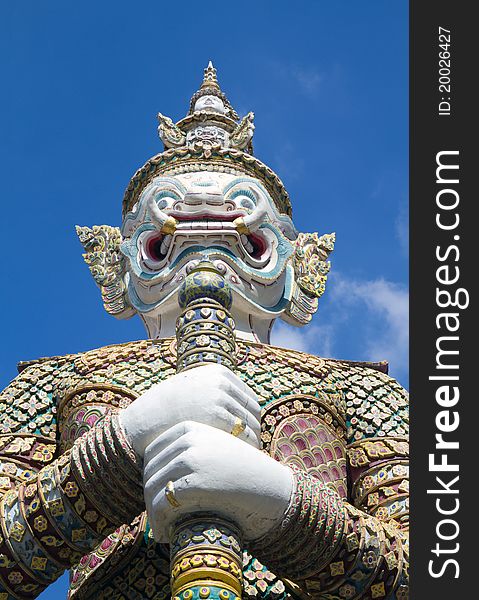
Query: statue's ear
{"type": "Point", "coordinates": [311, 269]}
{"type": "Point", "coordinates": [170, 134]}
{"type": "Point", "coordinates": [107, 265]}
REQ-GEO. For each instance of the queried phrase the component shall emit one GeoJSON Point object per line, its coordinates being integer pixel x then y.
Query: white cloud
{"type": "Point", "coordinates": [386, 318]}
{"type": "Point", "coordinates": [314, 339]}
{"type": "Point", "coordinates": [389, 188]}
{"type": "Point", "coordinates": [308, 79]}
{"type": "Point", "coordinates": [402, 229]}
{"type": "Point", "coordinates": [288, 161]}
{"type": "Point", "coordinates": [372, 316]}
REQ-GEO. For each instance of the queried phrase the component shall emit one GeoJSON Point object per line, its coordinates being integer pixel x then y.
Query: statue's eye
{"type": "Point", "coordinates": [244, 198]}
{"type": "Point", "coordinates": [247, 203]}
{"type": "Point", "coordinates": [166, 198]}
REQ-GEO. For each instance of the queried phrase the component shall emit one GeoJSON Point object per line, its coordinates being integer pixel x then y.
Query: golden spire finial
{"type": "Point", "coordinates": [211, 87]}
{"type": "Point", "coordinates": [209, 78]}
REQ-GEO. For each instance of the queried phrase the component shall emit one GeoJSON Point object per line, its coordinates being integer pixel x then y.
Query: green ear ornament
{"type": "Point", "coordinates": [107, 266]}
{"type": "Point", "coordinates": [311, 269]}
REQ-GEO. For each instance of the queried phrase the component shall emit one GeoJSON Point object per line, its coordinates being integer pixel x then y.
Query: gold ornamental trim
{"type": "Point", "coordinates": [204, 578]}
{"type": "Point", "coordinates": [205, 549]}
{"type": "Point", "coordinates": [320, 401]}
{"type": "Point", "coordinates": [100, 386]}
{"type": "Point", "coordinates": [224, 569]}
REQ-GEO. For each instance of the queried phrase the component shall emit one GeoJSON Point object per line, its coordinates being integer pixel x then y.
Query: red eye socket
{"type": "Point", "coordinates": [153, 248]}
{"type": "Point", "coordinates": [259, 245]}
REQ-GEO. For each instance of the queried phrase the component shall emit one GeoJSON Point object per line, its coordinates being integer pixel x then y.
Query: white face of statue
{"type": "Point", "coordinates": [210, 103]}
{"type": "Point", "coordinates": [205, 204]}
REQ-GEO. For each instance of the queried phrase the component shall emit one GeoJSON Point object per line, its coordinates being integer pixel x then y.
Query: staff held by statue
{"type": "Point", "coordinates": [205, 550]}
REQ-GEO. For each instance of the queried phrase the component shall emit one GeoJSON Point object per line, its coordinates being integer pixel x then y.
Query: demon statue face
{"type": "Point", "coordinates": [206, 195]}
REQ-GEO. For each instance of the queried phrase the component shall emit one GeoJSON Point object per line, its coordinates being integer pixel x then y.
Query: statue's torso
{"type": "Point", "coordinates": [313, 409]}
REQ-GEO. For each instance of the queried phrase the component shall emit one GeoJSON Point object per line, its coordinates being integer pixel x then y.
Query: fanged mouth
{"type": "Point", "coordinates": [157, 245]}
{"type": "Point", "coordinates": [181, 216]}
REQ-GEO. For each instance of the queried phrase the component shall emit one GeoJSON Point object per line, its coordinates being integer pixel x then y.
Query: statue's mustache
{"type": "Point", "coordinates": [168, 276]}
{"type": "Point", "coordinates": [197, 251]}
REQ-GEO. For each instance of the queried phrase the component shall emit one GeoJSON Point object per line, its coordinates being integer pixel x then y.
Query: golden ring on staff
{"type": "Point", "coordinates": [238, 427]}
{"type": "Point", "coordinates": [170, 495]}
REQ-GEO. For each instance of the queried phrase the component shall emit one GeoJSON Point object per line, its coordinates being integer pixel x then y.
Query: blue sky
{"type": "Point", "coordinates": [82, 83]}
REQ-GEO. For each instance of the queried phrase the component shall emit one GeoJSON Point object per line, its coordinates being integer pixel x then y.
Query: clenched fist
{"type": "Point", "coordinates": [210, 394]}
{"type": "Point", "coordinates": [215, 472]}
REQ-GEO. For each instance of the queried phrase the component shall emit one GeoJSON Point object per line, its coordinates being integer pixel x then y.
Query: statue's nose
{"type": "Point", "coordinates": [209, 195]}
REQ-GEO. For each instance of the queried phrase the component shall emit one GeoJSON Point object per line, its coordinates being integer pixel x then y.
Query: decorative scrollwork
{"type": "Point", "coordinates": [243, 134]}
{"type": "Point", "coordinates": [309, 261]}
{"type": "Point", "coordinates": [170, 134]}
{"type": "Point", "coordinates": [311, 272]}
{"type": "Point", "coordinates": [107, 266]}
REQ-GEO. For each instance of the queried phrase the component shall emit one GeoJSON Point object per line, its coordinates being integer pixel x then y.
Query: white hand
{"type": "Point", "coordinates": [212, 471]}
{"type": "Point", "coordinates": [209, 394]}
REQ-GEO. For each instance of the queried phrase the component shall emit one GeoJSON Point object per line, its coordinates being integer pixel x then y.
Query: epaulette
{"type": "Point", "coordinates": [382, 366]}
{"type": "Point", "coordinates": [24, 364]}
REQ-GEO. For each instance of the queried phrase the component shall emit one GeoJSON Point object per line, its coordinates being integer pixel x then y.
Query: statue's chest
{"type": "Point", "coordinates": [302, 410]}
{"type": "Point", "coordinates": [302, 424]}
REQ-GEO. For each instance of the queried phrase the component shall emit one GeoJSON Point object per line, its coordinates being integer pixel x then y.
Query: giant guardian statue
{"type": "Point", "coordinates": [203, 462]}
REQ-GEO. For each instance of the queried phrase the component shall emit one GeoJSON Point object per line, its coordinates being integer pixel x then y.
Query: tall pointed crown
{"type": "Point", "coordinates": [210, 79]}
{"type": "Point", "coordinates": [211, 87]}
{"type": "Point", "coordinates": [210, 138]}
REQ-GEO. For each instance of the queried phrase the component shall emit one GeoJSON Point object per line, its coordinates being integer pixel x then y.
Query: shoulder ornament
{"type": "Point", "coordinates": [107, 266]}
{"type": "Point", "coordinates": [311, 269]}
{"type": "Point", "coordinates": [28, 404]}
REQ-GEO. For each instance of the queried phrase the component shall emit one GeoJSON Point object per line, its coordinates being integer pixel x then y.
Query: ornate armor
{"type": "Point", "coordinates": [341, 425]}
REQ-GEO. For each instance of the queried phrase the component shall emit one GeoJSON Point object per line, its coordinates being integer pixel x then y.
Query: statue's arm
{"type": "Point", "coordinates": [331, 549]}
{"type": "Point", "coordinates": [65, 509]}
{"type": "Point", "coordinates": [56, 508]}
{"type": "Point", "coordinates": [349, 549]}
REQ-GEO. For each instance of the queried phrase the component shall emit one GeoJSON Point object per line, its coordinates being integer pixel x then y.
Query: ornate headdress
{"type": "Point", "coordinates": [208, 140]}
{"type": "Point", "coordinates": [210, 87]}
